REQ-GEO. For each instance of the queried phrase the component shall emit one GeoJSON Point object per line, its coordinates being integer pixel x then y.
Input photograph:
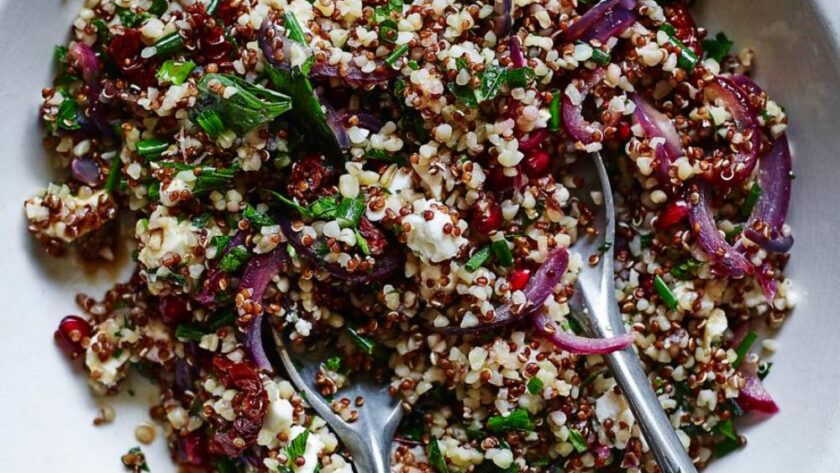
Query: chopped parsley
{"type": "Point", "coordinates": [249, 107]}
{"type": "Point", "coordinates": [577, 440]}
{"type": "Point", "coordinates": [436, 459]}
{"type": "Point", "coordinates": [297, 447]}
{"type": "Point", "coordinates": [256, 217]}
{"type": "Point", "coordinates": [478, 259]}
{"type": "Point", "coordinates": [234, 259]}
{"type": "Point", "coordinates": [535, 385]}
{"type": "Point", "coordinates": [744, 348]}
{"type": "Point", "coordinates": [518, 419]}
{"type": "Point", "coordinates": [718, 47]}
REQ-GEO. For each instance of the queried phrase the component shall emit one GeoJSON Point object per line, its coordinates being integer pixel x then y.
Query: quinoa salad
{"type": "Point", "coordinates": [395, 179]}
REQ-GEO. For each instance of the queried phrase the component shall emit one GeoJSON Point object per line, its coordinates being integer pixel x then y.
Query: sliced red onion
{"type": "Point", "coordinates": [727, 260]}
{"type": "Point", "coordinates": [657, 125]}
{"type": "Point", "coordinates": [577, 126]}
{"type": "Point", "coordinates": [366, 120]}
{"type": "Point", "coordinates": [613, 24]}
{"type": "Point", "coordinates": [258, 273]}
{"type": "Point", "coordinates": [581, 345]}
{"type": "Point", "coordinates": [272, 40]}
{"type": "Point", "coordinates": [516, 54]}
{"type": "Point", "coordinates": [85, 170]}
{"type": "Point", "coordinates": [746, 123]}
{"type": "Point", "coordinates": [334, 121]}
{"type": "Point", "coordinates": [504, 17]}
{"type": "Point", "coordinates": [534, 139]}
{"type": "Point", "coordinates": [539, 288]}
{"type": "Point", "coordinates": [353, 75]}
{"type": "Point", "coordinates": [207, 296]}
{"type": "Point", "coordinates": [83, 58]}
{"type": "Point", "coordinates": [765, 225]}
{"type": "Point", "coordinates": [386, 265]}
{"type": "Point", "coordinates": [768, 283]}
{"type": "Point", "coordinates": [627, 4]}
{"type": "Point", "coordinates": [587, 20]}
{"type": "Point", "coordinates": [754, 397]}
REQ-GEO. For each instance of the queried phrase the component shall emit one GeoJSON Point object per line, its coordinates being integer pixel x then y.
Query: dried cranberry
{"type": "Point", "coordinates": [173, 309]}
{"type": "Point", "coordinates": [497, 180]}
{"type": "Point", "coordinates": [536, 163]}
{"type": "Point", "coordinates": [675, 212]}
{"type": "Point", "coordinates": [250, 406]}
{"type": "Point", "coordinates": [374, 236]}
{"type": "Point", "coordinates": [124, 50]}
{"type": "Point", "coordinates": [679, 16]}
{"type": "Point", "coordinates": [208, 36]}
{"type": "Point", "coordinates": [309, 176]}
{"type": "Point", "coordinates": [71, 334]}
{"type": "Point", "coordinates": [519, 278]}
{"type": "Point", "coordinates": [623, 131]}
{"type": "Point", "coordinates": [486, 218]}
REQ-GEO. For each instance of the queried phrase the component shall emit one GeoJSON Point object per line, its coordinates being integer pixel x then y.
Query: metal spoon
{"type": "Point", "coordinates": [369, 437]}
{"type": "Point", "coordinates": [601, 317]}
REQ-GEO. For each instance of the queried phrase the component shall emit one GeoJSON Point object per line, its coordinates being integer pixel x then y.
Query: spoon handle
{"type": "Point", "coordinates": [656, 428]}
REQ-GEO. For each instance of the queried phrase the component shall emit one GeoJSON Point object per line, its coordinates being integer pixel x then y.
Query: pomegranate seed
{"type": "Point", "coordinates": [623, 133]}
{"type": "Point", "coordinates": [519, 278]}
{"type": "Point", "coordinates": [536, 163]}
{"type": "Point", "coordinates": [173, 310]}
{"type": "Point", "coordinates": [72, 333]}
{"type": "Point", "coordinates": [673, 213]}
{"type": "Point", "coordinates": [487, 218]}
{"type": "Point", "coordinates": [497, 179]}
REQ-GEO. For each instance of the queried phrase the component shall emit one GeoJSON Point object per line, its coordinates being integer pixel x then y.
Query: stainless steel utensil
{"type": "Point", "coordinates": [369, 437]}
{"type": "Point", "coordinates": [601, 317]}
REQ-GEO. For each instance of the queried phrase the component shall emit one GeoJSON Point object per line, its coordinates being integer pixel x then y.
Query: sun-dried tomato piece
{"type": "Point", "coordinates": [208, 37]}
{"type": "Point", "coordinates": [309, 178]}
{"type": "Point", "coordinates": [249, 405]}
{"type": "Point", "coordinates": [679, 16]}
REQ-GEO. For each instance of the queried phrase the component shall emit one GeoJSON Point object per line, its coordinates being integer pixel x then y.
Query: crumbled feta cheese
{"type": "Point", "coordinates": [427, 238]}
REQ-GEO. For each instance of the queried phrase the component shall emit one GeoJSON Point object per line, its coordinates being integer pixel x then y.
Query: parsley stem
{"type": "Point", "coordinates": [399, 52]}
{"type": "Point", "coordinates": [665, 292]}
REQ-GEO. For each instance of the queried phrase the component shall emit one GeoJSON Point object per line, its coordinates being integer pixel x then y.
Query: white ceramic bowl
{"type": "Point", "coordinates": [46, 409]}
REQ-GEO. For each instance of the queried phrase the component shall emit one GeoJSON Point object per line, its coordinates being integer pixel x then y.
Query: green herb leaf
{"type": "Point", "coordinates": [605, 246]}
{"type": "Point", "coordinates": [764, 369]}
{"type": "Point", "coordinates": [727, 429]}
{"type": "Point", "coordinates": [367, 345]}
{"type": "Point", "coordinates": [334, 363]}
{"type": "Point", "coordinates": [68, 115]}
{"type": "Point", "coordinates": [519, 77]}
{"type": "Point", "coordinates": [732, 234]}
{"type": "Point", "coordinates": [151, 149]}
{"type": "Point", "coordinates": [291, 203]}
{"type": "Point", "coordinates": [293, 28]}
{"type": "Point", "coordinates": [128, 17]}
{"type": "Point", "coordinates": [382, 155]}
{"type": "Point", "coordinates": [169, 45]}
{"type": "Point", "coordinates": [159, 7]}
{"type": "Point", "coordinates": [492, 79]}
{"type": "Point", "coordinates": [350, 212]}
{"type": "Point", "coordinates": [362, 242]}
{"type": "Point", "coordinates": [685, 270]}
{"type": "Point", "coordinates": [221, 318]}
{"type": "Point", "coordinates": [502, 253]}
{"type": "Point", "coordinates": [257, 218]}
{"type": "Point", "coordinates": [153, 190]}
{"type": "Point", "coordinates": [750, 200]}
{"type": "Point", "coordinates": [436, 459]}
{"type": "Point", "coordinates": [535, 385]}
{"type": "Point", "coordinates": [249, 107]}
{"type": "Point", "coordinates": [234, 259]}
{"type": "Point", "coordinates": [518, 419]}
{"type": "Point", "coordinates": [207, 178]}
{"type": "Point", "coordinates": [478, 259]}
{"type": "Point", "coordinates": [744, 347]}
{"type": "Point", "coordinates": [577, 440]}
{"type": "Point", "coordinates": [554, 110]}
{"type": "Point", "coordinates": [135, 460]}
{"type": "Point", "coordinates": [188, 332]}
{"type": "Point", "coordinates": [323, 208]}
{"type": "Point", "coordinates": [726, 446]}
{"type": "Point", "coordinates": [297, 447]}
{"type": "Point", "coordinates": [399, 52]}
{"type": "Point", "coordinates": [665, 292]}
{"type": "Point", "coordinates": [174, 72]}
{"type": "Point", "coordinates": [717, 48]}
{"type": "Point", "coordinates": [103, 33]}
{"type": "Point", "coordinates": [113, 179]}
{"type": "Point", "coordinates": [211, 122]}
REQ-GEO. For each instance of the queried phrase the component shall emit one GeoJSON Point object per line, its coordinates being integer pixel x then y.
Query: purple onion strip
{"type": "Point", "coordinates": [587, 20]}
{"type": "Point", "coordinates": [258, 273]}
{"type": "Point", "coordinates": [657, 125]}
{"type": "Point", "coordinates": [746, 121]}
{"type": "Point", "coordinates": [766, 222]}
{"type": "Point", "coordinates": [613, 24]}
{"type": "Point", "coordinates": [576, 344]}
{"type": "Point", "coordinates": [727, 260]}
{"type": "Point", "coordinates": [577, 126]}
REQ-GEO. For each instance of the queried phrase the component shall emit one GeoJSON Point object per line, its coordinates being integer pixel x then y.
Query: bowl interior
{"type": "Point", "coordinates": [48, 404]}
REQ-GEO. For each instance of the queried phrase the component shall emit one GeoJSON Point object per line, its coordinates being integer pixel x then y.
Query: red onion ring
{"type": "Point", "coordinates": [580, 345]}
{"type": "Point", "coordinates": [539, 288]}
{"type": "Point", "coordinates": [534, 139]}
{"type": "Point", "coordinates": [657, 125]}
{"type": "Point", "coordinates": [728, 261]}
{"type": "Point", "coordinates": [258, 273]}
{"type": "Point", "coordinates": [577, 126]}
{"type": "Point", "coordinates": [83, 58]}
{"type": "Point", "coordinates": [504, 17]}
{"type": "Point", "coordinates": [766, 222]}
{"type": "Point", "coordinates": [386, 265]}
{"type": "Point", "coordinates": [587, 20]}
{"type": "Point", "coordinates": [754, 397]}
{"type": "Point", "coordinates": [335, 122]}
{"type": "Point", "coordinates": [613, 24]}
{"type": "Point", "coordinates": [746, 122]}
{"type": "Point", "coordinates": [352, 75]}
{"type": "Point", "coordinates": [517, 57]}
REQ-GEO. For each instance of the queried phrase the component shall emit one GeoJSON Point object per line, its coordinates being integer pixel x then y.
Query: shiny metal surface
{"type": "Point", "coordinates": [599, 313]}
{"type": "Point", "coordinates": [369, 437]}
